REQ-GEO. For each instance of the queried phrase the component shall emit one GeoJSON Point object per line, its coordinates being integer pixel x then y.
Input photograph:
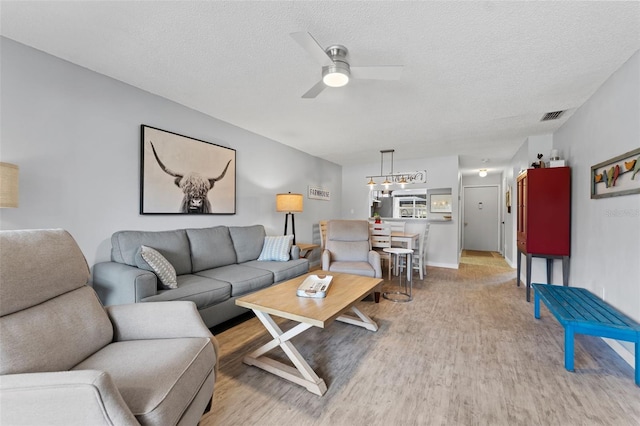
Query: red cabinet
{"type": "Point", "coordinates": [544, 218]}
{"type": "Point", "coordinates": [544, 211]}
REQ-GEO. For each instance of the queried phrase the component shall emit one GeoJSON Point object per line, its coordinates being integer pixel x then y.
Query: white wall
{"type": "Point", "coordinates": [76, 136]}
{"type": "Point", "coordinates": [442, 172]}
{"type": "Point", "coordinates": [519, 162]}
{"type": "Point", "coordinates": [605, 234]}
{"type": "Point", "coordinates": [476, 180]}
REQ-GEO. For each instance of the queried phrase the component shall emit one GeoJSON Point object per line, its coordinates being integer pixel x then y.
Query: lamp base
{"type": "Point", "coordinates": [293, 226]}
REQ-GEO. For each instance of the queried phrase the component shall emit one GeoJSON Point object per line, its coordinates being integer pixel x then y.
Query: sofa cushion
{"type": "Point", "coordinates": [247, 241]}
{"type": "Point", "coordinates": [202, 291]}
{"type": "Point", "coordinates": [157, 379]}
{"type": "Point", "coordinates": [210, 248]}
{"type": "Point", "coordinates": [151, 260]}
{"type": "Point", "coordinates": [173, 245]}
{"type": "Point", "coordinates": [282, 271]}
{"type": "Point", "coordinates": [243, 279]}
{"type": "Point", "coordinates": [54, 335]}
{"type": "Point", "coordinates": [276, 248]}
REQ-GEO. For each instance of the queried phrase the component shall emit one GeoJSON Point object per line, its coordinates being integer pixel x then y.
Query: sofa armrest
{"type": "Point", "coordinates": [117, 283]}
{"type": "Point", "coordinates": [63, 398]}
{"type": "Point", "coordinates": [295, 252]}
{"type": "Point", "coordinates": [374, 261]}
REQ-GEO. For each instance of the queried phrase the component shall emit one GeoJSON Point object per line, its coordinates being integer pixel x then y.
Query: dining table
{"type": "Point", "coordinates": [408, 238]}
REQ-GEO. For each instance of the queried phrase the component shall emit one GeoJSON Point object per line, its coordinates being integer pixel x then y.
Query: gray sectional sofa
{"type": "Point", "coordinates": [214, 267]}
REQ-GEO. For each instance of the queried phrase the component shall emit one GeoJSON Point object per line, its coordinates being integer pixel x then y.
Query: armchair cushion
{"type": "Point", "coordinates": [54, 335]}
{"type": "Point", "coordinates": [31, 273]}
{"type": "Point", "coordinates": [348, 240]}
{"type": "Point", "coordinates": [355, 268]}
{"type": "Point", "coordinates": [174, 371]}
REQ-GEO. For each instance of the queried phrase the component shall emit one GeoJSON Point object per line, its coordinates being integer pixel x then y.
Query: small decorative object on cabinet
{"type": "Point", "coordinates": [544, 219]}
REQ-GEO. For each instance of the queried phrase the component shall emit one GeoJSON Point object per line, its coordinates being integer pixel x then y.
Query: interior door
{"type": "Point", "coordinates": [481, 214]}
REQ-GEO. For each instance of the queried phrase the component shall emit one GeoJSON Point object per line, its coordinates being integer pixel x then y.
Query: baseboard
{"type": "Point", "coordinates": [443, 265]}
{"type": "Point", "coordinates": [622, 351]}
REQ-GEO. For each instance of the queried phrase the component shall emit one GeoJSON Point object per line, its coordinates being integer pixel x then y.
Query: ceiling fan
{"type": "Point", "coordinates": [336, 70]}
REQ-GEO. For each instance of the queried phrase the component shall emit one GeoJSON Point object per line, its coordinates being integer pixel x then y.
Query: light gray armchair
{"type": "Point", "coordinates": [67, 360]}
{"type": "Point", "coordinates": [348, 250]}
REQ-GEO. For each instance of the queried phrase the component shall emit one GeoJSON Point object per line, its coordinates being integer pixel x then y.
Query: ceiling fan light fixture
{"type": "Point", "coordinates": [335, 76]}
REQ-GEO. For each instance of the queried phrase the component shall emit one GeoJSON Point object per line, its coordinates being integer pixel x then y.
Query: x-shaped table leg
{"type": "Point", "coordinates": [362, 320]}
{"type": "Point", "coordinates": [302, 374]}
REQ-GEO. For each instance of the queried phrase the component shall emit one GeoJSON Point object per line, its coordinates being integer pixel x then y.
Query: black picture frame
{"type": "Point", "coordinates": [184, 175]}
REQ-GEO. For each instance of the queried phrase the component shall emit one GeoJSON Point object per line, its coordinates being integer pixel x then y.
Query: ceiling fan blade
{"type": "Point", "coordinates": [384, 72]}
{"type": "Point", "coordinates": [315, 90]}
{"type": "Point", "coordinates": [314, 49]}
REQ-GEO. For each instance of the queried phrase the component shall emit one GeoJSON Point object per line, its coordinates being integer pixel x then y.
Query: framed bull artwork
{"type": "Point", "coordinates": [183, 175]}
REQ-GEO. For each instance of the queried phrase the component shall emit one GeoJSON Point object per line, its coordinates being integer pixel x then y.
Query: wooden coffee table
{"type": "Point", "coordinates": [280, 300]}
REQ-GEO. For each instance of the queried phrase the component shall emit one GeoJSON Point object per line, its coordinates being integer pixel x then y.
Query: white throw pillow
{"type": "Point", "coordinates": [276, 248]}
{"type": "Point", "coordinates": [161, 266]}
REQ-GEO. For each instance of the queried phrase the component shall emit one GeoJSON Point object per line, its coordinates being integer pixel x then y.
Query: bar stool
{"type": "Point", "coordinates": [404, 293]}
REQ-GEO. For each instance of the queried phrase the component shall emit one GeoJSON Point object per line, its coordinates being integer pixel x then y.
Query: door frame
{"type": "Point", "coordinates": [498, 219]}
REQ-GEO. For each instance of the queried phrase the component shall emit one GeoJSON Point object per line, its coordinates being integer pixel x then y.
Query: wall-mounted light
{"type": "Point", "coordinates": [483, 172]}
{"type": "Point", "coordinates": [8, 185]}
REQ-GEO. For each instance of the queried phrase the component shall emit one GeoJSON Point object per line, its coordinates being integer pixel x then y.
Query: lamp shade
{"type": "Point", "coordinates": [290, 203]}
{"type": "Point", "coordinates": [8, 185]}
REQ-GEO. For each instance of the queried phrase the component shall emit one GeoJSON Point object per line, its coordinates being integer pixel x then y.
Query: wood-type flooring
{"type": "Point", "coordinates": [466, 351]}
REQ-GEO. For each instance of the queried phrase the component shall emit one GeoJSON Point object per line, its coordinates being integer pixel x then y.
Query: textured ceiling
{"type": "Point", "coordinates": [478, 76]}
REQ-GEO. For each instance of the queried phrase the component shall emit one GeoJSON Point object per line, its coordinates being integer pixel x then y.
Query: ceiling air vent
{"type": "Point", "coordinates": [552, 115]}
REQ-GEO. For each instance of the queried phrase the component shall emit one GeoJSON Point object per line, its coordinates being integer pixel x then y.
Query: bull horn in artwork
{"type": "Point", "coordinates": [214, 180]}
{"type": "Point", "coordinates": [180, 176]}
{"type": "Point", "coordinates": [162, 166]}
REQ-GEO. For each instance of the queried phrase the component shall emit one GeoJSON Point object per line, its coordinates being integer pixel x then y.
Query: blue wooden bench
{"type": "Point", "coordinates": [580, 311]}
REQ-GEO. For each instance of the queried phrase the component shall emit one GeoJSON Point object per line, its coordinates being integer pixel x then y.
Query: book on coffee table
{"type": "Point", "coordinates": [315, 286]}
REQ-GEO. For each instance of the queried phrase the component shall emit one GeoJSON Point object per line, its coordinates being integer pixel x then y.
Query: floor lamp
{"type": "Point", "coordinates": [289, 203]}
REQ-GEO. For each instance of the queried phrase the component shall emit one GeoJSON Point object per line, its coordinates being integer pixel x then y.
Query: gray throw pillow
{"type": "Point", "coordinates": [151, 260]}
